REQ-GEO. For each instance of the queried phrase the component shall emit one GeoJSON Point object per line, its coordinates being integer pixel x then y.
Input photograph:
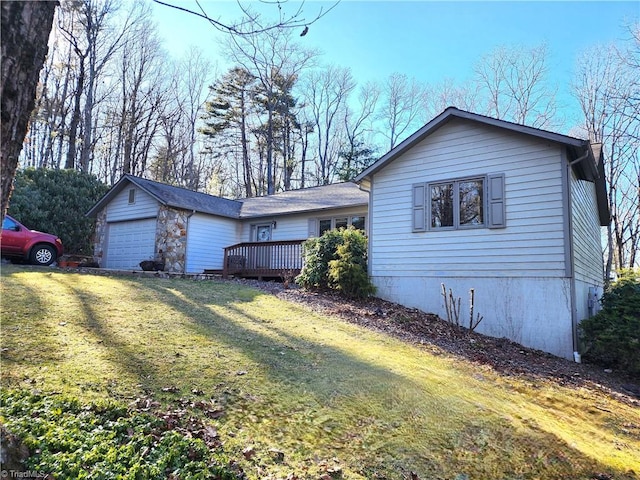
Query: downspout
{"type": "Point", "coordinates": [579, 159]}
{"type": "Point", "coordinates": [363, 186]}
{"type": "Point", "coordinates": [184, 268]}
{"type": "Point", "coordinates": [572, 279]}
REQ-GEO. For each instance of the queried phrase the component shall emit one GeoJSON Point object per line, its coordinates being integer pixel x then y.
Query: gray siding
{"type": "Point", "coordinates": [296, 227]}
{"type": "Point", "coordinates": [207, 236]}
{"type": "Point", "coordinates": [145, 206]}
{"type": "Point", "coordinates": [587, 246]}
{"type": "Point", "coordinates": [532, 244]}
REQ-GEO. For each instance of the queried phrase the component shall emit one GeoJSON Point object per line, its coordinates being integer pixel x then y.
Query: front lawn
{"type": "Point", "coordinates": [298, 393]}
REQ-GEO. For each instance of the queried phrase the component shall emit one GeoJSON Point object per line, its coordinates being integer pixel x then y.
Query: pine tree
{"type": "Point", "coordinates": [227, 116]}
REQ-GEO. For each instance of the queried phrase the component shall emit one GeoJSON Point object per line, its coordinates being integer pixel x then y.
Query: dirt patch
{"type": "Point", "coordinates": [440, 337]}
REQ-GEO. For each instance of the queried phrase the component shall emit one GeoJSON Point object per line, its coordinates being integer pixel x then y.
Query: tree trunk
{"type": "Point", "coordinates": [75, 117]}
{"type": "Point", "coordinates": [25, 32]}
{"type": "Point", "coordinates": [246, 162]}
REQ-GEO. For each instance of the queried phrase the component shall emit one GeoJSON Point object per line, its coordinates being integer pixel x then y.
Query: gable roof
{"type": "Point", "coordinates": [311, 199]}
{"type": "Point", "coordinates": [337, 195]}
{"type": "Point", "coordinates": [171, 196]}
{"type": "Point", "coordinates": [586, 159]}
{"type": "Point", "coordinates": [577, 146]}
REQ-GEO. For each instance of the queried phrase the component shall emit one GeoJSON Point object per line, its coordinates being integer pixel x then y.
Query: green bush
{"type": "Point", "coordinates": [337, 260]}
{"type": "Point", "coordinates": [55, 201]}
{"type": "Point", "coordinates": [102, 441]}
{"type": "Point", "coordinates": [611, 338]}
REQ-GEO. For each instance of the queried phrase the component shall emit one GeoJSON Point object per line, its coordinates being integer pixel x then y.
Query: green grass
{"type": "Point", "coordinates": [325, 393]}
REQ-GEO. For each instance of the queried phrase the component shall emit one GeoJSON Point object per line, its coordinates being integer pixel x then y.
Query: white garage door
{"type": "Point", "coordinates": [129, 243]}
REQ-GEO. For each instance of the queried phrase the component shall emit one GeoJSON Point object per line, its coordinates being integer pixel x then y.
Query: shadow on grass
{"type": "Point", "coordinates": [25, 329]}
{"type": "Point", "coordinates": [303, 366]}
{"type": "Point", "coordinates": [128, 356]}
{"type": "Point", "coordinates": [336, 378]}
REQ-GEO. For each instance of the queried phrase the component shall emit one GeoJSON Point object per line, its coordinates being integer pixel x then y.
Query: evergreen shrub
{"type": "Point", "coordinates": [611, 338]}
{"type": "Point", "coordinates": [55, 201]}
{"type": "Point", "coordinates": [337, 261]}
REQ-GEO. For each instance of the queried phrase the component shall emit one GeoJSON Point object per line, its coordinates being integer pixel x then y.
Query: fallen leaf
{"type": "Point", "coordinates": [278, 455]}
{"type": "Point", "coordinates": [248, 452]}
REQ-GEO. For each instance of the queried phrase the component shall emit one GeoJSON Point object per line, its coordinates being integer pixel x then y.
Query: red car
{"type": "Point", "coordinates": [18, 242]}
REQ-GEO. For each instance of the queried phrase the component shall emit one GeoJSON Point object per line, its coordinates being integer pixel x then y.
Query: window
{"type": "Point", "coordinates": [441, 205]}
{"type": "Point", "coordinates": [132, 196]}
{"type": "Point", "coordinates": [8, 224]}
{"type": "Point", "coordinates": [457, 204]}
{"type": "Point", "coordinates": [326, 224]}
{"type": "Point", "coordinates": [471, 194]}
{"type": "Point", "coordinates": [358, 222]}
{"type": "Point", "coordinates": [341, 223]}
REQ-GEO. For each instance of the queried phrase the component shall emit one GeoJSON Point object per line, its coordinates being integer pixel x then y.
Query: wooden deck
{"type": "Point", "coordinates": [263, 259]}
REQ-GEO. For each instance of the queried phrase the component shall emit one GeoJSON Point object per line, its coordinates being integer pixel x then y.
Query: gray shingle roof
{"type": "Point", "coordinates": [294, 201]}
{"type": "Point", "coordinates": [337, 195]}
{"type": "Point", "coordinates": [188, 199]}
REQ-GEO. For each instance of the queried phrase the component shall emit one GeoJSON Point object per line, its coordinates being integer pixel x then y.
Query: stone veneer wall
{"type": "Point", "coordinates": [171, 238]}
{"type": "Point", "coordinates": [100, 237]}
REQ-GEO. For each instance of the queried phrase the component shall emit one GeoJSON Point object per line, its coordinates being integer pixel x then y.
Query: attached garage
{"type": "Point", "coordinates": [129, 243]}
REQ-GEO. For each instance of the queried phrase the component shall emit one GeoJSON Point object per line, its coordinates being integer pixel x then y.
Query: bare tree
{"type": "Point", "coordinates": [54, 103]}
{"type": "Point", "coordinates": [607, 88]}
{"type": "Point", "coordinates": [356, 153]}
{"type": "Point", "coordinates": [91, 31]}
{"type": "Point", "coordinates": [252, 24]}
{"type": "Point", "coordinates": [25, 31]}
{"type": "Point", "coordinates": [515, 85]}
{"type": "Point", "coordinates": [326, 93]}
{"type": "Point", "coordinates": [195, 72]}
{"type": "Point", "coordinates": [629, 56]}
{"type": "Point", "coordinates": [448, 94]}
{"type": "Point", "coordinates": [144, 89]}
{"type": "Point", "coordinates": [403, 102]}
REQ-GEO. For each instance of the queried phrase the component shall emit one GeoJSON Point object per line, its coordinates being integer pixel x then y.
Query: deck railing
{"type": "Point", "coordinates": [263, 259]}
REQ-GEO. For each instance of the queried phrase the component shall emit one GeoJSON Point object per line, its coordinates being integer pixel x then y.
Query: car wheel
{"type": "Point", "coordinates": [43, 255]}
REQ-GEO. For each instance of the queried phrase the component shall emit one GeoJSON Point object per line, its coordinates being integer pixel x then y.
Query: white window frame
{"type": "Point", "coordinates": [255, 229]}
{"type": "Point", "coordinates": [333, 219]}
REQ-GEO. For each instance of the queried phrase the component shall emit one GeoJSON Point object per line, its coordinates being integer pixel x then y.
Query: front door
{"type": "Point", "coordinates": [263, 233]}
{"type": "Point", "coordinates": [263, 254]}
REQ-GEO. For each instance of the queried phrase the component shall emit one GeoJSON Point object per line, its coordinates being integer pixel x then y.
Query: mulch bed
{"type": "Point", "coordinates": [441, 337]}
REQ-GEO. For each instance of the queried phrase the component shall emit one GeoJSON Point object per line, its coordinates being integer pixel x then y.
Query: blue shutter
{"type": "Point", "coordinates": [496, 203]}
{"type": "Point", "coordinates": [419, 210]}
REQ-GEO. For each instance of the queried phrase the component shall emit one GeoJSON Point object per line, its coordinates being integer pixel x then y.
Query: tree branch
{"type": "Point", "coordinates": [294, 21]}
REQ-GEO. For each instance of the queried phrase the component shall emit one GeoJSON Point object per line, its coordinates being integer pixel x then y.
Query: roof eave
{"type": "Point", "coordinates": [451, 113]}
{"type": "Point", "coordinates": [115, 190]}
{"type": "Point", "coordinates": [600, 181]}
{"type": "Point", "coordinates": [301, 212]}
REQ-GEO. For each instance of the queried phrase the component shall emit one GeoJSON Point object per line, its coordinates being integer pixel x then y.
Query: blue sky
{"type": "Point", "coordinates": [431, 41]}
